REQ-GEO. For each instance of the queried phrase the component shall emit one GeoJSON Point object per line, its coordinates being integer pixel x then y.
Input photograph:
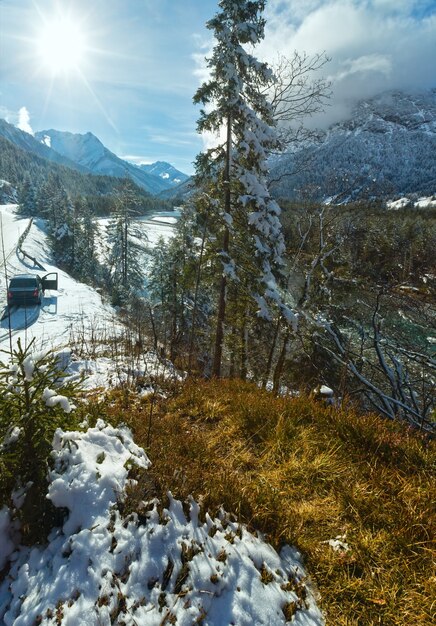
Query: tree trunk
{"type": "Point", "coordinates": [153, 327]}
{"type": "Point", "coordinates": [271, 353]}
{"type": "Point", "coordinates": [280, 363]}
{"type": "Point", "coordinates": [174, 320]}
{"type": "Point", "coordinates": [243, 346]}
{"type": "Point", "coordinates": [194, 309]}
{"type": "Point", "coordinates": [221, 315]}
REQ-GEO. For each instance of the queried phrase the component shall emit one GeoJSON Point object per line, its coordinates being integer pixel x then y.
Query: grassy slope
{"type": "Point", "coordinates": [304, 473]}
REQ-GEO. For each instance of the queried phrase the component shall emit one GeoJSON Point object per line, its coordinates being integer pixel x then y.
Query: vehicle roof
{"type": "Point", "coordinates": [25, 276]}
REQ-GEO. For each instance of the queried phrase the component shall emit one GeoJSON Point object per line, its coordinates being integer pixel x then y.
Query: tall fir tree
{"type": "Point", "coordinates": [235, 171]}
{"type": "Point", "coordinates": [27, 197]}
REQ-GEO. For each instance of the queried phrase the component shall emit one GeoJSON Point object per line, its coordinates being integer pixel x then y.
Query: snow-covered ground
{"type": "Point", "coordinates": [157, 226]}
{"type": "Point", "coordinates": [147, 230]}
{"type": "Point", "coordinates": [73, 309]}
{"type": "Point", "coordinates": [422, 203]}
{"type": "Point", "coordinates": [147, 568]}
{"type": "Point", "coordinates": [76, 311]}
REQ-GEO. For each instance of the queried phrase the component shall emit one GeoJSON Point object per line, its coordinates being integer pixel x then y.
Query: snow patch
{"type": "Point", "coordinates": [163, 565]}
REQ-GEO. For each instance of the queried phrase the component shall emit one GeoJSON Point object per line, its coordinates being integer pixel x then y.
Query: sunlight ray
{"type": "Point", "coordinates": [97, 101]}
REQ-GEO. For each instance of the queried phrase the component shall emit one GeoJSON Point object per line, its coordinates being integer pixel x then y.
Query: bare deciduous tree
{"type": "Point", "coordinates": [397, 382]}
{"type": "Point", "coordinates": [297, 93]}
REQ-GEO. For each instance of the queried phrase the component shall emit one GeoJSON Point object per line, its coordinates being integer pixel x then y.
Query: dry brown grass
{"type": "Point", "coordinates": [304, 473]}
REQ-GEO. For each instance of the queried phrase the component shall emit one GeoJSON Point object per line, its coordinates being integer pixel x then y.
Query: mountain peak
{"type": "Point", "coordinates": [87, 151]}
{"type": "Point", "coordinates": [166, 172]}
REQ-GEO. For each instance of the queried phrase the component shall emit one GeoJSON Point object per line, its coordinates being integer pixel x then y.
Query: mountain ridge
{"type": "Point", "coordinates": [387, 147]}
{"type": "Point", "coordinates": [166, 171]}
{"type": "Point", "coordinates": [88, 151]}
{"type": "Point", "coordinates": [88, 155]}
{"type": "Point", "coordinates": [27, 142]}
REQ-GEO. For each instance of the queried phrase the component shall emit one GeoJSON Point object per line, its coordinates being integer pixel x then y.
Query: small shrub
{"type": "Point", "coordinates": [34, 402]}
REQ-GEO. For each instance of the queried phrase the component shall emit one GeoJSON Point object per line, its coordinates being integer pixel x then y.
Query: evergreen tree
{"type": "Point", "coordinates": [124, 256]}
{"type": "Point", "coordinates": [248, 228]}
{"type": "Point", "coordinates": [27, 198]}
{"type": "Point", "coordinates": [86, 263]}
{"type": "Point", "coordinates": [61, 219]}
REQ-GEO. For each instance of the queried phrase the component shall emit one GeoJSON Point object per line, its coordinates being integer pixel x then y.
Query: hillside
{"type": "Point", "coordinates": [88, 152]}
{"type": "Point", "coordinates": [158, 559]}
{"type": "Point", "coordinates": [354, 493]}
{"type": "Point", "coordinates": [16, 163]}
{"type": "Point", "coordinates": [218, 392]}
{"type": "Point", "coordinates": [30, 144]}
{"type": "Point", "coordinates": [64, 311]}
{"type": "Point", "coordinates": [386, 148]}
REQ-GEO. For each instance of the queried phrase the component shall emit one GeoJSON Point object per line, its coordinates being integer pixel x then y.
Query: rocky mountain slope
{"type": "Point", "coordinates": [19, 164]}
{"type": "Point", "coordinates": [387, 147]}
{"type": "Point", "coordinates": [167, 172]}
{"type": "Point", "coordinates": [86, 154]}
{"type": "Point", "coordinates": [27, 142]}
{"type": "Point", "coordinates": [89, 152]}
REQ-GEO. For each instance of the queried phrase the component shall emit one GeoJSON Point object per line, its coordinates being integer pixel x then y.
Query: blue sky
{"type": "Point", "coordinates": [140, 62]}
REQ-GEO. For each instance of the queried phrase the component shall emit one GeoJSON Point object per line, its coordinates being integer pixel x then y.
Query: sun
{"type": "Point", "coordinates": [61, 46]}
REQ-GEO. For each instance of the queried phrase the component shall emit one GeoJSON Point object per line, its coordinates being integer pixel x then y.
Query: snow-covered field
{"type": "Point", "coordinates": [72, 309]}
{"type": "Point", "coordinates": [147, 230]}
{"type": "Point", "coordinates": [75, 311]}
{"type": "Point", "coordinates": [75, 308]}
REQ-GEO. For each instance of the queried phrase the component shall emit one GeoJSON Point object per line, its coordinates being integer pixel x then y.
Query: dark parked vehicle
{"type": "Point", "coordinates": [29, 288]}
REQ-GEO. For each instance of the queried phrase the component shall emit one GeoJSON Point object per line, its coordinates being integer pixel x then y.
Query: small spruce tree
{"type": "Point", "coordinates": [35, 400]}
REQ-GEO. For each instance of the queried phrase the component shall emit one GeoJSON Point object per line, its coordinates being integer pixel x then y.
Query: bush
{"type": "Point", "coordinates": [35, 400]}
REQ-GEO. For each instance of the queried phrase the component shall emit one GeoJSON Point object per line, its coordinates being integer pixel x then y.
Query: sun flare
{"type": "Point", "coordinates": [61, 46]}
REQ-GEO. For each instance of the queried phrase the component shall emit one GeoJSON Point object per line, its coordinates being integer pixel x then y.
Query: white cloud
{"type": "Point", "coordinates": [10, 116]}
{"type": "Point", "coordinates": [374, 45]}
{"type": "Point", "coordinates": [23, 121]}
{"type": "Point", "coordinates": [137, 160]}
{"type": "Point", "coordinates": [365, 64]}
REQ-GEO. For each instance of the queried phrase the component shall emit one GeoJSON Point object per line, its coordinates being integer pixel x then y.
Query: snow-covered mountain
{"type": "Point", "coordinates": [89, 152]}
{"type": "Point", "coordinates": [27, 142]}
{"type": "Point", "coordinates": [387, 147]}
{"type": "Point", "coordinates": [166, 171]}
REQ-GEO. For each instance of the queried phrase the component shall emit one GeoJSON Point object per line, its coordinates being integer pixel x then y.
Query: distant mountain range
{"type": "Point", "coordinates": [18, 165]}
{"type": "Point", "coordinates": [386, 148]}
{"type": "Point", "coordinates": [27, 142]}
{"type": "Point", "coordinates": [88, 151]}
{"type": "Point", "coordinates": [87, 154]}
{"type": "Point", "coordinates": [166, 172]}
